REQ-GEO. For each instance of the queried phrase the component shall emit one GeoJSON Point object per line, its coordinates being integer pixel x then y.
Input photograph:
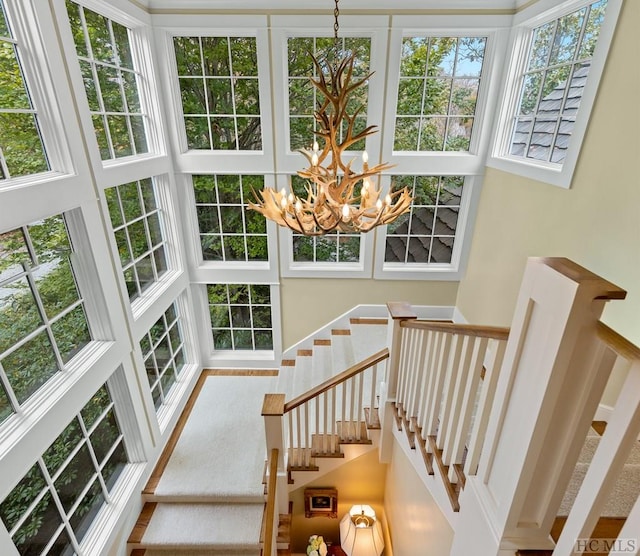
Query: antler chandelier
{"type": "Point", "coordinates": [337, 196]}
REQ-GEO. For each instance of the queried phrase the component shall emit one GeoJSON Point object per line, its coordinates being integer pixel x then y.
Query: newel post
{"type": "Point", "coordinates": [273, 413]}
{"type": "Point", "coordinates": [398, 312]}
{"type": "Point", "coordinates": [550, 384]}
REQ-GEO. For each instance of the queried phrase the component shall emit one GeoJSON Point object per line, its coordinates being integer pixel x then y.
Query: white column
{"type": "Point", "coordinates": [549, 387]}
{"type": "Point", "coordinates": [273, 414]}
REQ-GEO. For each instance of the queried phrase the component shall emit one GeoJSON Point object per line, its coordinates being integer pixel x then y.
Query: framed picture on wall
{"type": "Point", "coordinates": [320, 502]}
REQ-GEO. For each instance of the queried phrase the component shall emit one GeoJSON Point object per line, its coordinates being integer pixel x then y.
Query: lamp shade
{"type": "Point", "coordinates": [361, 533]}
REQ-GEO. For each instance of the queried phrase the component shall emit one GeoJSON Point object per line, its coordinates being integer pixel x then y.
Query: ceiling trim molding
{"type": "Point", "coordinates": [387, 7]}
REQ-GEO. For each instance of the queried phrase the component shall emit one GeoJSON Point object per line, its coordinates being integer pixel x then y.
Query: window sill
{"type": "Point", "coordinates": [552, 174]}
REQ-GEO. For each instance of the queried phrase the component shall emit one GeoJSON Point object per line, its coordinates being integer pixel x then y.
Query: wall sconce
{"type": "Point", "coordinates": [361, 532]}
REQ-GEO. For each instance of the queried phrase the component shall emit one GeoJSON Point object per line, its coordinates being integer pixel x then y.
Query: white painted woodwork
{"type": "Point", "coordinates": [621, 433]}
{"type": "Point", "coordinates": [547, 394]}
{"type": "Point", "coordinates": [485, 403]}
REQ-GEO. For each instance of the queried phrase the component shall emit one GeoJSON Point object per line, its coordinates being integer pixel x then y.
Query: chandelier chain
{"type": "Point", "coordinates": [336, 26]}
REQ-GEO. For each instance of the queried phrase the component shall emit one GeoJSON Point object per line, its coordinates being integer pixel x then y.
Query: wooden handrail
{"type": "Point", "coordinates": [493, 332]}
{"type": "Point", "coordinates": [619, 344]}
{"type": "Point", "coordinates": [337, 379]}
{"type": "Point", "coordinates": [270, 511]}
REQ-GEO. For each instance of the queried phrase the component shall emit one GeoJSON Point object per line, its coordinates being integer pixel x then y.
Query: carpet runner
{"type": "Point", "coordinates": [210, 498]}
{"type": "Point", "coordinates": [625, 491]}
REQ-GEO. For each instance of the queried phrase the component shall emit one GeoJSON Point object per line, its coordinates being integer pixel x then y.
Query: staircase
{"type": "Point", "coordinates": [498, 417]}
{"type": "Point", "coordinates": [207, 522]}
{"type": "Point", "coordinates": [337, 433]}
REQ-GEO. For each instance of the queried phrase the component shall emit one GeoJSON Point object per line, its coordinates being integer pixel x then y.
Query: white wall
{"type": "Point", "coordinates": [416, 524]}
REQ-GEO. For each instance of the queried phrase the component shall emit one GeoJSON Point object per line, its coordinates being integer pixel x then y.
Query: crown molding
{"type": "Point", "coordinates": [388, 6]}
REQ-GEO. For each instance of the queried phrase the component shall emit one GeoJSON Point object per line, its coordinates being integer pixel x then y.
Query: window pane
{"type": "Point", "coordinates": [426, 234]}
{"type": "Point", "coordinates": [439, 80]}
{"type": "Point", "coordinates": [235, 323]}
{"type": "Point", "coordinates": [21, 148]}
{"type": "Point", "coordinates": [228, 231]}
{"type": "Point", "coordinates": [304, 97]}
{"type": "Point", "coordinates": [218, 80]}
{"type": "Point", "coordinates": [552, 86]}
{"type": "Point", "coordinates": [137, 225]}
{"type": "Point", "coordinates": [73, 476]}
{"type": "Point", "coordinates": [104, 50]}
{"type": "Point", "coordinates": [162, 350]}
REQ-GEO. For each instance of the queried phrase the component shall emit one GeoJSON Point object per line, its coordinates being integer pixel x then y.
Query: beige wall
{"type": "Point", "coordinates": [359, 481]}
{"type": "Point", "coordinates": [309, 304]}
{"type": "Point", "coordinates": [416, 524]}
{"type": "Point", "coordinates": [596, 223]}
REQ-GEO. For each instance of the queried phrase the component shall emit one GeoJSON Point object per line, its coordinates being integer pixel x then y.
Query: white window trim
{"type": "Point", "coordinates": [111, 171]}
{"type": "Point", "coordinates": [540, 13]}
{"type": "Point", "coordinates": [41, 81]}
{"type": "Point", "coordinates": [461, 246]}
{"type": "Point", "coordinates": [224, 161]}
{"type": "Point", "coordinates": [291, 269]}
{"type": "Point", "coordinates": [237, 358]}
{"type": "Point", "coordinates": [446, 162]}
{"type": "Point", "coordinates": [232, 272]}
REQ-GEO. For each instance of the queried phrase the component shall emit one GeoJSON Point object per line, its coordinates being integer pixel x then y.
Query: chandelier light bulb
{"type": "Point", "coordinates": [345, 212]}
{"type": "Point", "coordinates": [365, 157]}
{"type": "Point", "coordinates": [387, 200]}
{"type": "Point", "coordinates": [314, 159]}
{"type": "Point", "coordinates": [315, 147]}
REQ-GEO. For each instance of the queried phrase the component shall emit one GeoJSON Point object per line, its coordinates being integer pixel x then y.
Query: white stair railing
{"type": "Point", "coordinates": [622, 431]}
{"type": "Point", "coordinates": [446, 382]}
{"type": "Point", "coordinates": [333, 412]}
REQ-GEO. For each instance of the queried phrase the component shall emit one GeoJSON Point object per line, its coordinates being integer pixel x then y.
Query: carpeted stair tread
{"type": "Point", "coordinates": [625, 491]}
{"type": "Point", "coordinates": [367, 339]}
{"type": "Point", "coordinates": [225, 427]}
{"type": "Point", "coordinates": [620, 500]}
{"type": "Point", "coordinates": [342, 356]}
{"type": "Point", "coordinates": [302, 377]}
{"type": "Point", "coordinates": [204, 526]}
{"type": "Point", "coordinates": [322, 367]}
{"type": "Point", "coordinates": [203, 552]}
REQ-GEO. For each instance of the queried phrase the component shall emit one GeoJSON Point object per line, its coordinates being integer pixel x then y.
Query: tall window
{"type": "Point", "coordinates": [304, 97]}
{"type": "Point", "coordinates": [163, 352]}
{"type": "Point", "coordinates": [42, 315]}
{"type": "Point", "coordinates": [426, 234]}
{"type": "Point", "coordinates": [218, 79]}
{"type": "Point", "coordinates": [110, 81]}
{"type": "Point", "coordinates": [553, 82]}
{"type": "Point", "coordinates": [240, 316]}
{"type": "Point", "coordinates": [437, 93]}
{"type": "Point", "coordinates": [137, 226]}
{"type": "Point", "coordinates": [228, 231]}
{"type": "Point", "coordinates": [51, 509]}
{"type": "Point", "coordinates": [21, 149]}
{"type": "Point", "coordinates": [338, 247]}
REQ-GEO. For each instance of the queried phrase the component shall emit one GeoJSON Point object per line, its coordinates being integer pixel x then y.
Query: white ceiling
{"type": "Point", "coordinates": [329, 4]}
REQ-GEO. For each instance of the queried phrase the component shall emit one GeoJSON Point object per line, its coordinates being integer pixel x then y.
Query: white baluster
{"type": "Point", "coordinates": [485, 403]}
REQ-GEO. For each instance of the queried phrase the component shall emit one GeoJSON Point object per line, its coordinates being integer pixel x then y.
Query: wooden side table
{"type": "Point", "coordinates": [335, 550]}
